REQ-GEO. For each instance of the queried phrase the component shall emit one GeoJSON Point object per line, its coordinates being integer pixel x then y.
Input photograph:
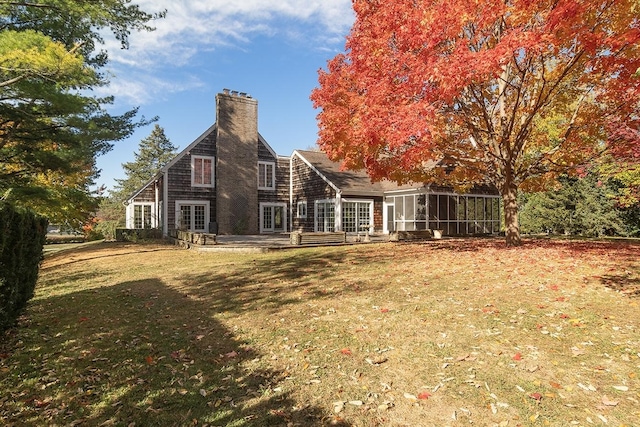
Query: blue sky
{"type": "Point", "coordinates": [271, 49]}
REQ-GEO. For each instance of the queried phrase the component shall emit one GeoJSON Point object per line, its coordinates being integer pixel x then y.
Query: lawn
{"type": "Point", "coordinates": [439, 333]}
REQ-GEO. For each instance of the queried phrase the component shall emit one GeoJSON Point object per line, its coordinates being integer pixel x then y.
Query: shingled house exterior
{"type": "Point", "coordinates": [230, 181]}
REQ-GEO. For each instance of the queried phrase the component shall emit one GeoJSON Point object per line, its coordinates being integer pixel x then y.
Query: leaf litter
{"type": "Point", "coordinates": [473, 334]}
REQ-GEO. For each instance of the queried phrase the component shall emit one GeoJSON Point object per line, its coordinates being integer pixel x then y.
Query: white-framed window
{"type": "Point", "coordinates": [192, 215]}
{"type": "Point", "coordinates": [302, 210]}
{"type": "Point", "coordinates": [357, 215]}
{"type": "Point", "coordinates": [273, 217]}
{"type": "Point", "coordinates": [325, 218]}
{"type": "Point", "coordinates": [141, 215]}
{"type": "Point", "coordinates": [266, 176]}
{"type": "Point", "coordinates": [202, 171]}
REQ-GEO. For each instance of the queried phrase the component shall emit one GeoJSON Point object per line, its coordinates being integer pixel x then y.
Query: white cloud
{"type": "Point", "coordinates": [192, 26]}
{"type": "Point", "coordinates": [141, 88]}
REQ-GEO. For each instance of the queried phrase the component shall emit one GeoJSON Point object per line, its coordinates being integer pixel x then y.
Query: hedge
{"type": "Point", "coordinates": [22, 237]}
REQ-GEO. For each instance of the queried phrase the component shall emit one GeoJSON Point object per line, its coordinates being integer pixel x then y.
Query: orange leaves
{"type": "Point", "coordinates": [517, 357]}
{"type": "Point", "coordinates": [418, 80]}
{"type": "Point", "coordinates": [346, 352]}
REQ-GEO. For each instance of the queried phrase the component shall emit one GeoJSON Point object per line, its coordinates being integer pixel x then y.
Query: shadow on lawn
{"type": "Point", "coordinates": [141, 353]}
{"type": "Point", "coordinates": [626, 281]}
{"type": "Point", "coordinates": [269, 284]}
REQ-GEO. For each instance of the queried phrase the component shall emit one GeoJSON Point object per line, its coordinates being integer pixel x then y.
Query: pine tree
{"type": "Point", "coordinates": [581, 206]}
{"type": "Point", "coordinates": [154, 152]}
{"type": "Point", "coordinates": [51, 127]}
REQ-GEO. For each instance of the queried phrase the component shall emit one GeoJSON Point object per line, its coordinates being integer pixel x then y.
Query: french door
{"type": "Point", "coordinates": [273, 217]}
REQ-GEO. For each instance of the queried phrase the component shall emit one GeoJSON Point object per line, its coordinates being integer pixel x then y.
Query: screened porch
{"type": "Point", "coordinates": [454, 214]}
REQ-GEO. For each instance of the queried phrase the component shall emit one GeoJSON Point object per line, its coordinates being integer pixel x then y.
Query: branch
{"type": "Point", "coordinates": [27, 4]}
{"type": "Point", "coordinates": [12, 81]}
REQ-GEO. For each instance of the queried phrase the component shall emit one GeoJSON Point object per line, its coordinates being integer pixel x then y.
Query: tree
{"type": "Point", "coordinates": [154, 152]}
{"type": "Point", "coordinates": [509, 93]}
{"type": "Point", "coordinates": [51, 128]}
{"type": "Point", "coordinates": [580, 206]}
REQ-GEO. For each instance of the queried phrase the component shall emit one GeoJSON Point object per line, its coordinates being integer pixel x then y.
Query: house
{"type": "Point", "coordinates": [230, 181]}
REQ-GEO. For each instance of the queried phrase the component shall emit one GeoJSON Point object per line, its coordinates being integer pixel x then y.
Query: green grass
{"type": "Point", "coordinates": [448, 332]}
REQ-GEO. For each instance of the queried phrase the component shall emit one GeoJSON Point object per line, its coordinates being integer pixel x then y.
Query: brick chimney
{"type": "Point", "coordinates": [237, 163]}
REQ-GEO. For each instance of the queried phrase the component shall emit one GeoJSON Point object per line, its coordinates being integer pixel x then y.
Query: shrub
{"type": "Point", "coordinates": [22, 237]}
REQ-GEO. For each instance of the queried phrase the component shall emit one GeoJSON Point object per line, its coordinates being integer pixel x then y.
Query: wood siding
{"type": "Point", "coordinates": [179, 180]}
{"type": "Point", "coordinates": [307, 186]}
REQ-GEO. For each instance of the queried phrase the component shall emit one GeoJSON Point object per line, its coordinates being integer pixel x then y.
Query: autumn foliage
{"type": "Point", "coordinates": [509, 93]}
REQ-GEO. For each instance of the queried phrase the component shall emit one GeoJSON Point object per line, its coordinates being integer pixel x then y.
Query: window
{"type": "Point", "coordinates": [266, 176]}
{"type": "Point", "coordinates": [302, 210]}
{"type": "Point", "coordinates": [356, 216]}
{"type": "Point", "coordinates": [202, 171]}
{"type": "Point", "coordinates": [192, 215]}
{"type": "Point", "coordinates": [325, 216]}
{"type": "Point", "coordinates": [273, 217]}
{"type": "Point", "coordinates": [141, 215]}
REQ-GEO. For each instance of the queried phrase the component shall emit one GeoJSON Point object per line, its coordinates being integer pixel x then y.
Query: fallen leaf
{"type": "Point", "coordinates": [346, 351]}
{"type": "Point", "coordinates": [149, 360]}
{"type": "Point", "coordinates": [621, 387]}
{"type": "Point", "coordinates": [424, 395]}
{"type": "Point", "coordinates": [410, 396]}
{"type": "Point", "coordinates": [555, 385]}
{"type": "Point", "coordinates": [231, 354]}
{"type": "Point", "coordinates": [517, 356]}
{"type": "Point", "coordinates": [608, 402]}
{"type": "Point", "coordinates": [384, 310]}
{"type": "Point", "coordinates": [536, 396]}
{"type": "Point", "coordinates": [203, 392]}
{"type": "Point", "coordinates": [575, 351]}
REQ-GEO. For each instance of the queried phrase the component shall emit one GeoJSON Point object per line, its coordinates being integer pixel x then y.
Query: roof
{"type": "Point", "coordinates": [348, 181]}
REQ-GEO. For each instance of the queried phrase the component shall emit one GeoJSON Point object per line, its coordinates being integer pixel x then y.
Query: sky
{"type": "Point", "coordinates": [270, 49]}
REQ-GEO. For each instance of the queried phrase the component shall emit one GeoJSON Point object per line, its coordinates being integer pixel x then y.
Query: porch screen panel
{"type": "Point", "coordinates": [399, 203]}
{"type": "Point", "coordinates": [421, 212]}
{"type": "Point", "coordinates": [495, 216]}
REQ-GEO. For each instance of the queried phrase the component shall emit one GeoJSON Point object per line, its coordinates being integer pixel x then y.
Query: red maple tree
{"type": "Point", "coordinates": [505, 92]}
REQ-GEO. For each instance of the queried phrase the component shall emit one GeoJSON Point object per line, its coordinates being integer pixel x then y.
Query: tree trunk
{"type": "Point", "coordinates": [510, 202]}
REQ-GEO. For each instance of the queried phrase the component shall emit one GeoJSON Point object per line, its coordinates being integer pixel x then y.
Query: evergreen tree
{"type": "Point", "coordinates": [51, 128]}
{"type": "Point", "coordinates": [154, 152]}
{"type": "Point", "coordinates": [581, 206]}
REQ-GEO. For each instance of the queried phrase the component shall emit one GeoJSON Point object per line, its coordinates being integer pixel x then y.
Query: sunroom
{"type": "Point", "coordinates": [454, 214]}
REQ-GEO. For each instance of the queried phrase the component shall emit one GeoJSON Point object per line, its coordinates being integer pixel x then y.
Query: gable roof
{"type": "Point", "coordinates": [348, 182]}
